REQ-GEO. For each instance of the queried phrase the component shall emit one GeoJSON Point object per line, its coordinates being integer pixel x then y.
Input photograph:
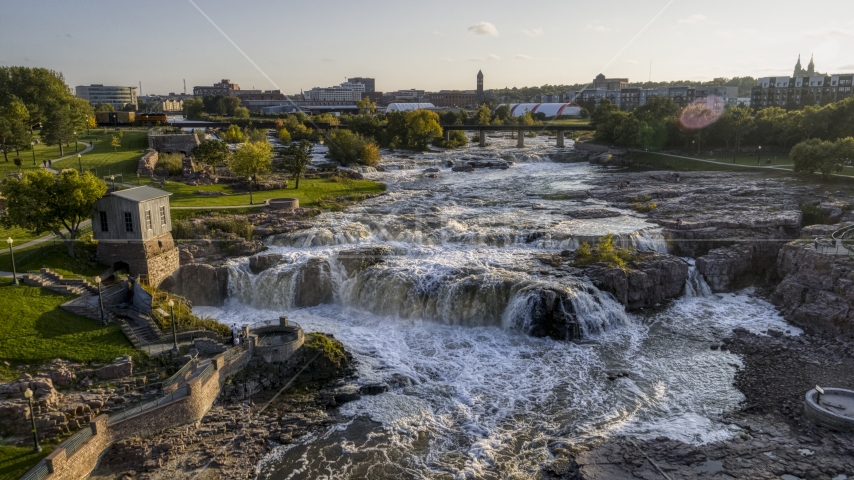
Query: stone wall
{"type": "Point", "coordinates": [147, 163]}
{"type": "Point", "coordinates": [173, 142]}
{"type": "Point", "coordinates": [817, 290]}
{"type": "Point", "coordinates": [156, 258]}
{"type": "Point", "coordinates": [201, 284]}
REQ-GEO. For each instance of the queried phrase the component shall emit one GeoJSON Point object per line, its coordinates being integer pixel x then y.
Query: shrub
{"type": "Point", "coordinates": [604, 252]}
{"type": "Point", "coordinates": [347, 148]}
{"type": "Point", "coordinates": [813, 215]}
{"type": "Point", "coordinates": [284, 136]}
{"type": "Point", "coordinates": [233, 135]}
{"type": "Point", "coordinates": [184, 229]}
{"type": "Point", "coordinates": [458, 139]}
{"type": "Point", "coordinates": [171, 162]}
{"type": "Point", "coordinates": [644, 207]}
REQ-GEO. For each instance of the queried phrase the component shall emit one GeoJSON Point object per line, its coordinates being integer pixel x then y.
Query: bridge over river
{"type": "Point", "coordinates": [520, 130]}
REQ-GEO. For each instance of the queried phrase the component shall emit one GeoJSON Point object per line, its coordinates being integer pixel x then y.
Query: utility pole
{"type": "Point", "coordinates": [185, 86]}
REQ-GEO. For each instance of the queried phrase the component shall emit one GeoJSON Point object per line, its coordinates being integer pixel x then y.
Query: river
{"type": "Point", "coordinates": [443, 321]}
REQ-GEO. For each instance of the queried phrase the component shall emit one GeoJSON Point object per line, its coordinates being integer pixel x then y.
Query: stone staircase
{"type": "Point", "coordinates": [53, 281]}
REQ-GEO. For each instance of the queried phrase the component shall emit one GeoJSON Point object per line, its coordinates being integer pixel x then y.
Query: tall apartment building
{"type": "Point", "coordinates": [798, 92]}
{"type": "Point", "coordinates": [116, 96]}
{"type": "Point", "coordinates": [346, 92]}
{"type": "Point", "coordinates": [610, 83]}
{"type": "Point", "coordinates": [369, 83]}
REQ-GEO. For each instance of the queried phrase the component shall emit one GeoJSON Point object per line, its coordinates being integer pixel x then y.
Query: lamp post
{"type": "Point", "coordinates": [113, 181]}
{"type": "Point", "coordinates": [80, 163]}
{"type": "Point", "coordinates": [12, 254]}
{"type": "Point", "coordinates": [251, 202]}
{"type": "Point", "coordinates": [174, 334]}
{"type": "Point", "coordinates": [28, 394]}
{"type": "Point", "coordinates": [759, 156]}
{"type": "Point", "coordinates": [101, 302]}
{"type": "Point", "coordinates": [33, 146]}
{"type": "Point", "coordinates": [75, 142]}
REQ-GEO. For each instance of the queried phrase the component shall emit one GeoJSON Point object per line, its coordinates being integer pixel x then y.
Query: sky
{"type": "Point", "coordinates": [294, 45]}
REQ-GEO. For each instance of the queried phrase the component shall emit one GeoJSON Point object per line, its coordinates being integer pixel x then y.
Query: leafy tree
{"type": "Point", "coordinates": [503, 112]}
{"type": "Point", "coordinates": [422, 126]}
{"type": "Point", "coordinates": [450, 118]}
{"type": "Point", "coordinates": [738, 123]}
{"type": "Point", "coordinates": [252, 160]}
{"type": "Point", "coordinates": [458, 138]}
{"type": "Point", "coordinates": [367, 126]}
{"type": "Point", "coordinates": [255, 134]}
{"type": "Point", "coordinates": [129, 107]}
{"type": "Point", "coordinates": [657, 109]}
{"type": "Point", "coordinates": [230, 104]}
{"type": "Point", "coordinates": [241, 113]}
{"type": "Point", "coordinates": [194, 108]}
{"type": "Point", "coordinates": [116, 142]}
{"type": "Point", "coordinates": [233, 135]}
{"type": "Point", "coordinates": [212, 152]}
{"type": "Point", "coordinates": [297, 157]}
{"type": "Point", "coordinates": [58, 128]}
{"type": "Point", "coordinates": [14, 127]}
{"type": "Point", "coordinates": [483, 116]}
{"type": "Point", "coordinates": [815, 121]}
{"type": "Point", "coordinates": [40, 89]}
{"type": "Point", "coordinates": [43, 202]}
{"type": "Point", "coordinates": [284, 136]}
{"type": "Point", "coordinates": [463, 118]}
{"type": "Point", "coordinates": [348, 148]}
{"type": "Point", "coordinates": [366, 106]}
{"type": "Point", "coordinates": [18, 162]}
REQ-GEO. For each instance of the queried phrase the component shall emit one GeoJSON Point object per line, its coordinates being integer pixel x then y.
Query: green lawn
{"type": "Point", "coordinates": [568, 121]}
{"type": "Point", "coordinates": [42, 151]}
{"type": "Point", "coordinates": [36, 330]}
{"type": "Point", "coordinates": [19, 235]}
{"type": "Point", "coordinates": [53, 254]}
{"type": "Point", "coordinates": [310, 194]}
{"type": "Point", "coordinates": [16, 461]}
{"type": "Point", "coordinates": [103, 160]}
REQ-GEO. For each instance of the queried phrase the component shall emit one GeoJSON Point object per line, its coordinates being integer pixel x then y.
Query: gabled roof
{"type": "Point", "coordinates": [141, 194]}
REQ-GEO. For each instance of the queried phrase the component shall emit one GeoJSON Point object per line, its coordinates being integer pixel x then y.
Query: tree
{"type": "Point", "coordinates": [212, 152]}
{"type": "Point", "coordinates": [252, 160]}
{"type": "Point", "coordinates": [483, 115]}
{"type": "Point", "coordinates": [503, 112]}
{"type": "Point", "coordinates": [43, 202]}
{"type": "Point", "coordinates": [104, 107]}
{"type": "Point", "coordinates": [255, 134]}
{"type": "Point", "coordinates": [194, 108]}
{"type": "Point", "coordinates": [233, 135]}
{"type": "Point", "coordinates": [241, 113]}
{"type": "Point", "coordinates": [129, 107]}
{"type": "Point", "coordinates": [739, 123]}
{"type": "Point", "coordinates": [40, 89]}
{"type": "Point", "coordinates": [297, 157]}
{"type": "Point", "coordinates": [657, 109]}
{"type": "Point", "coordinates": [58, 128]}
{"type": "Point", "coordinates": [284, 136]}
{"type": "Point", "coordinates": [366, 106]}
{"type": "Point", "coordinates": [422, 126]}
{"type": "Point", "coordinates": [230, 104]}
{"type": "Point", "coordinates": [347, 148]}
{"type": "Point", "coordinates": [822, 155]}
{"type": "Point", "coordinates": [18, 163]}
{"type": "Point", "coordinates": [116, 142]}
{"type": "Point", "coordinates": [815, 121]}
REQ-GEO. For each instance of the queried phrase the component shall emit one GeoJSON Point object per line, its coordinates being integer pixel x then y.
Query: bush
{"type": "Point", "coordinates": [241, 113]}
{"type": "Point", "coordinates": [604, 252]}
{"type": "Point", "coordinates": [347, 148]}
{"type": "Point", "coordinates": [813, 215]}
{"type": "Point", "coordinates": [458, 139]}
{"type": "Point", "coordinates": [185, 321]}
{"type": "Point", "coordinates": [188, 230]}
{"type": "Point", "coordinates": [171, 162]}
{"type": "Point", "coordinates": [233, 135]}
{"type": "Point", "coordinates": [644, 207]}
{"type": "Point", "coordinates": [284, 136]}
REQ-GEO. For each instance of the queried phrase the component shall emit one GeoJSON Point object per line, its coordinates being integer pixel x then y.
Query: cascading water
{"type": "Point", "coordinates": [696, 285]}
{"type": "Point", "coordinates": [442, 303]}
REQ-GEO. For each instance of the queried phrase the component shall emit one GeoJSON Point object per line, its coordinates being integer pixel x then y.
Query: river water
{"type": "Point", "coordinates": [443, 320]}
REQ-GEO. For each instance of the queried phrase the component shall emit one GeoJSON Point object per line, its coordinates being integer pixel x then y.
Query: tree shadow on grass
{"type": "Point", "coordinates": [16, 464]}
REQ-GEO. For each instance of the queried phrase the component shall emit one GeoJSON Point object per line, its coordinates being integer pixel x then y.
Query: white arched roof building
{"type": "Point", "coordinates": [408, 107]}
{"type": "Point", "coordinates": [549, 109]}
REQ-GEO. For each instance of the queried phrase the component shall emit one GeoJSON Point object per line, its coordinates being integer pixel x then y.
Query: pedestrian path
{"type": "Point", "coordinates": [85, 150]}
{"type": "Point", "coordinates": [728, 164]}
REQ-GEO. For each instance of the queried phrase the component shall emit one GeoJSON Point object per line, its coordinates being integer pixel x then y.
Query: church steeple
{"type": "Point", "coordinates": [811, 66]}
{"type": "Point", "coordinates": [799, 70]}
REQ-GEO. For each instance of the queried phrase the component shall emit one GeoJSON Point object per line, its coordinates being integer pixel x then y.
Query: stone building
{"type": "Point", "coordinates": [164, 142]}
{"type": "Point", "coordinates": [134, 232]}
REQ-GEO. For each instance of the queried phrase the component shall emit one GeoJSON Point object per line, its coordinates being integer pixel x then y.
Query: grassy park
{"type": "Point", "coordinates": [103, 160]}
{"type": "Point", "coordinates": [16, 461]}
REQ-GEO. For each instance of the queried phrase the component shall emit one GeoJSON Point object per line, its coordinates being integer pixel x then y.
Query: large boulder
{"type": "Point", "coordinates": [725, 268]}
{"type": "Point", "coordinates": [313, 284]}
{"type": "Point", "coordinates": [648, 281]}
{"type": "Point", "coordinates": [357, 259]}
{"type": "Point", "coordinates": [201, 284]}
{"type": "Point", "coordinates": [120, 368]}
{"type": "Point", "coordinates": [817, 290]}
{"type": "Point", "coordinates": [259, 263]}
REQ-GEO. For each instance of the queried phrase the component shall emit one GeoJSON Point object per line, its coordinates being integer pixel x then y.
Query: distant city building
{"type": "Point", "coordinates": [375, 97]}
{"type": "Point", "coordinates": [369, 83]}
{"type": "Point", "coordinates": [805, 88]}
{"type": "Point", "coordinates": [116, 96]}
{"type": "Point", "coordinates": [480, 97]}
{"type": "Point", "coordinates": [224, 87]}
{"type": "Point", "coordinates": [610, 83]}
{"type": "Point", "coordinates": [346, 92]}
{"type": "Point", "coordinates": [717, 98]}
{"type": "Point", "coordinates": [449, 98]}
{"type": "Point", "coordinates": [411, 96]}
{"type": "Point", "coordinates": [552, 98]}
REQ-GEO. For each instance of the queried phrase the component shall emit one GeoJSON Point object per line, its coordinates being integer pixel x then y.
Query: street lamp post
{"type": "Point", "coordinates": [101, 302]}
{"type": "Point", "coordinates": [33, 146]}
{"type": "Point", "coordinates": [28, 394]}
{"type": "Point", "coordinates": [174, 333]}
{"type": "Point", "coordinates": [75, 142]}
{"type": "Point", "coordinates": [80, 163]}
{"type": "Point", "coordinates": [759, 156]}
{"type": "Point", "coordinates": [251, 202]}
{"type": "Point", "coordinates": [113, 181]}
{"type": "Point", "coordinates": [12, 254]}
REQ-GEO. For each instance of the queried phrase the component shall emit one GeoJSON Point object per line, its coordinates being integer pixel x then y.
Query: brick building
{"type": "Point", "coordinates": [448, 98]}
{"type": "Point", "coordinates": [134, 232]}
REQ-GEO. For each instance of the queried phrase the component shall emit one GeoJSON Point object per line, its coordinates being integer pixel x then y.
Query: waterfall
{"type": "Point", "coordinates": [649, 240]}
{"type": "Point", "coordinates": [696, 285]}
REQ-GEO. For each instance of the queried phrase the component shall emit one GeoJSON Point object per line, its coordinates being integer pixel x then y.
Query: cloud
{"type": "Point", "coordinates": [493, 56]}
{"type": "Point", "coordinates": [537, 32]}
{"type": "Point", "coordinates": [484, 28]}
{"type": "Point", "coordinates": [446, 60]}
{"type": "Point", "coordinates": [520, 56]}
{"type": "Point", "coordinates": [597, 28]}
{"type": "Point", "coordinates": [693, 19]}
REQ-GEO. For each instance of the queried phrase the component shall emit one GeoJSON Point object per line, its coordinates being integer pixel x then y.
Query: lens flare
{"type": "Point", "coordinates": [702, 112]}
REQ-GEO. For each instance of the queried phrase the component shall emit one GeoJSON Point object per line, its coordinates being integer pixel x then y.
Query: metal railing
{"type": "Point", "coordinates": [182, 372]}
{"type": "Point", "coordinates": [206, 373]}
{"type": "Point", "coordinates": [836, 244]}
{"type": "Point", "coordinates": [176, 395]}
{"type": "Point", "coordinates": [38, 472]}
{"type": "Point", "coordinates": [76, 441]}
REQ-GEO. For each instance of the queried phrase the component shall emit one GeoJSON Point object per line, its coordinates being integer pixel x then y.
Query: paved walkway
{"type": "Point", "coordinates": [730, 164]}
{"type": "Point", "coordinates": [47, 238]}
{"type": "Point", "coordinates": [85, 150]}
